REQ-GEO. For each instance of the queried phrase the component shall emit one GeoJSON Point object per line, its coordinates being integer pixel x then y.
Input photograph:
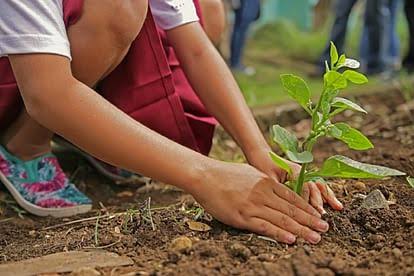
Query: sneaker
{"type": "Point", "coordinates": [118, 175]}
{"type": "Point", "coordinates": [41, 187]}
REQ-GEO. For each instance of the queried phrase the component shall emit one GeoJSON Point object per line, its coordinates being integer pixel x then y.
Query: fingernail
{"type": "Point", "coordinates": [314, 237]}
{"type": "Point", "coordinates": [323, 226]}
{"type": "Point", "coordinates": [290, 239]}
{"type": "Point", "coordinates": [339, 203]}
{"type": "Point", "coordinates": [322, 210]}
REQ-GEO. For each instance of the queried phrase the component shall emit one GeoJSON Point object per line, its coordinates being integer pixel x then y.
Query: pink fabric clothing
{"type": "Point", "coordinates": [149, 85]}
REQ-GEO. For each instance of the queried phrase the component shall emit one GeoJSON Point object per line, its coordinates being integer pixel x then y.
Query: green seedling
{"type": "Point", "coordinates": [339, 73]}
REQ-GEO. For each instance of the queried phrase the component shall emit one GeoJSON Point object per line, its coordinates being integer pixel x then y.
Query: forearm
{"type": "Point", "coordinates": [215, 85]}
{"type": "Point", "coordinates": [85, 118]}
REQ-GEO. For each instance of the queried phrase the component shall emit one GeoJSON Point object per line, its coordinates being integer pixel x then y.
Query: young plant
{"type": "Point", "coordinates": [338, 74]}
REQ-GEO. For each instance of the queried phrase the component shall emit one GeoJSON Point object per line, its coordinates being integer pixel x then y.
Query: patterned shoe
{"type": "Point", "coordinates": [118, 175]}
{"type": "Point", "coordinates": [40, 186]}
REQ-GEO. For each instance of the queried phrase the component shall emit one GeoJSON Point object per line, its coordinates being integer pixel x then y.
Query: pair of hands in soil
{"type": "Point", "coordinates": [253, 197]}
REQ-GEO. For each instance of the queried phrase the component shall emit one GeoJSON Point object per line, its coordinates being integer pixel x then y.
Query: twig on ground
{"type": "Point", "coordinates": [5, 220]}
{"type": "Point", "coordinates": [268, 239]}
{"type": "Point", "coordinates": [96, 228]}
{"type": "Point", "coordinates": [101, 217]}
{"type": "Point", "coordinates": [103, 246]}
{"type": "Point", "coordinates": [149, 214]}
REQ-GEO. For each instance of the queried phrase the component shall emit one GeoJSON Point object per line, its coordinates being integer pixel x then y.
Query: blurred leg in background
{"type": "Point", "coordinates": [391, 40]}
{"type": "Point", "coordinates": [377, 23]}
{"type": "Point", "coordinates": [245, 14]}
{"type": "Point", "coordinates": [408, 62]}
{"type": "Point", "coordinates": [343, 9]}
{"type": "Point", "coordinates": [214, 18]}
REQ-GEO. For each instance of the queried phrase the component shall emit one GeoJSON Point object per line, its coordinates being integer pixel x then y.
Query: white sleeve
{"type": "Point", "coordinates": [33, 26]}
{"type": "Point", "coordinates": [169, 14]}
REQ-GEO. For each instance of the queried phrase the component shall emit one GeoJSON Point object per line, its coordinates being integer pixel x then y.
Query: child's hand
{"type": "Point", "coordinates": [242, 196]}
{"type": "Point", "coordinates": [314, 193]}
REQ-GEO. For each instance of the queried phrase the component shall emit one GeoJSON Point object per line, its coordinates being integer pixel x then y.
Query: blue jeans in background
{"type": "Point", "coordinates": [391, 53]}
{"type": "Point", "coordinates": [408, 62]}
{"type": "Point", "coordinates": [343, 9]}
{"type": "Point", "coordinates": [245, 15]}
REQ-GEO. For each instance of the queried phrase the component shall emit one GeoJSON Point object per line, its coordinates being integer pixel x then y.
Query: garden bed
{"type": "Point", "coordinates": [359, 242]}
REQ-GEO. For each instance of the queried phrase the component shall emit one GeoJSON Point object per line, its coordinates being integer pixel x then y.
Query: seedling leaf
{"type": "Point", "coordinates": [280, 162]}
{"type": "Point", "coordinates": [410, 181]}
{"type": "Point", "coordinates": [355, 77]}
{"type": "Point", "coordinates": [341, 60]}
{"type": "Point", "coordinates": [297, 89]}
{"type": "Point", "coordinates": [350, 136]}
{"type": "Point", "coordinates": [335, 80]}
{"type": "Point", "coordinates": [286, 140]}
{"type": "Point", "coordinates": [344, 167]}
{"type": "Point", "coordinates": [343, 103]}
{"type": "Point", "coordinates": [334, 55]}
{"type": "Point", "coordinates": [300, 157]}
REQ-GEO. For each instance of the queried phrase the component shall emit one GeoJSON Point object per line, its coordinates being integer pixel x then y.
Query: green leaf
{"type": "Point", "coordinates": [326, 101]}
{"type": "Point", "coordinates": [410, 181]}
{"type": "Point", "coordinates": [280, 162]}
{"type": "Point", "coordinates": [335, 80]}
{"type": "Point", "coordinates": [350, 136]}
{"type": "Point", "coordinates": [355, 77]}
{"type": "Point", "coordinates": [344, 167]}
{"type": "Point", "coordinates": [300, 157]}
{"type": "Point", "coordinates": [341, 61]}
{"type": "Point", "coordinates": [334, 55]}
{"type": "Point", "coordinates": [286, 140]}
{"type": "Point", "coordinates": [297, 89]}
{"type": "Point", "coordinates": [347, 104]}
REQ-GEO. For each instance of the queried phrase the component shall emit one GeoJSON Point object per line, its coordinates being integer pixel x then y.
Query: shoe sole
{"type": "Point", "coordinates": [40, 211]}
{"type": "Point", "coordinates": [118, 179]}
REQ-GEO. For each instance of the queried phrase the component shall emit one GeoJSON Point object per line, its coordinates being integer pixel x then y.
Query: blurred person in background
{"type": "Point", "coordinates": [342, 11]}
{"type": "Point", "coordinates": [214, 19]}
{"type": "Point", "coordinates": [246, 12]}
{"type": "Point", "coordinates": [375, 18]}
{"type": "Point", "coordinates": [378, 26]}
{"type": "Point", "coordinates": [391, 39]}
{"type": "Point", "coordinates": [408, 62]}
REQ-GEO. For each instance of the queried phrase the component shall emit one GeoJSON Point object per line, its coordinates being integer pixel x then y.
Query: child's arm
{"type": "Point", "coordinates": [236, 194]}
{"type": "Point", "coordinates": [218, 90]}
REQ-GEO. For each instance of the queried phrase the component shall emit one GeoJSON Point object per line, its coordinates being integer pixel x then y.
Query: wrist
{"type": "Point", "coordinates": [199, 174]}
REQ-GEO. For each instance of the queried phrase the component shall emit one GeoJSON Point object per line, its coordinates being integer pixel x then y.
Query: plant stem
{"type": "Point", "coordinates": [301, 179]}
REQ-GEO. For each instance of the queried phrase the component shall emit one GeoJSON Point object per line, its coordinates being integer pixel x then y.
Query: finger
{"type": "Point", "coordinates": [296, 214]}
{"type": "Point", "coordinates": [286, 223]}
{"type": "Point", "coordinates": [329, 196]}
{"type": "Point", "coordinates": [265, 228]}
{"type": "Point", "coordinates": [316, 198]}
{"type": "Point", "coordinates": [283, 192]}
{"type": "Point", "coordinates": [306, 192]}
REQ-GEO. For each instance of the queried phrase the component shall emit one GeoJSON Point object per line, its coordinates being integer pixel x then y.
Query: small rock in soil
{"type": "Point", "coordinates": [198, 226]}
{"type": "Point", "coordinates": [181, 244]}
{"type": "Point", "coordinates": [397, 252]}
{"type": "Point", "coordinates": [266, 257]}
{"type": "Point", "coordinates": [359, 186]}
{"type": "Point", "coordinates": [85, 271]}
{"type": "Point", "coordinates": [375, 239]}
{"type": "Point", "coordinates": [375, 200]}
{"type": "Point", "coordinates": [338, 265]}
{"type": "Point", "coordinates": [324, 272]}
{"type": "Point", "coordinates": [238, 250]}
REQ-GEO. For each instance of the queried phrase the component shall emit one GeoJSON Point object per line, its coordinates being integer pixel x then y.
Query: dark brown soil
{"type": "Point", "coordinates": [359, 242]}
